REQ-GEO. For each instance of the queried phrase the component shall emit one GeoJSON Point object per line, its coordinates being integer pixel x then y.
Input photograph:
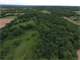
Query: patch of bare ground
{"type": "Point", "coordinates": [5, 20]}
{"type": "Point", "coordinates": [78, 54]}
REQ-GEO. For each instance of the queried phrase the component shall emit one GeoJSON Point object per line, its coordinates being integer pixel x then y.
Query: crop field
{"type": "Point", "coordinates": [39, 33]}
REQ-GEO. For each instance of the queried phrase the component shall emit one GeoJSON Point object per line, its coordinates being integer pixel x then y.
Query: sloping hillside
{"type": "Point", "coordinates": [39, 36]}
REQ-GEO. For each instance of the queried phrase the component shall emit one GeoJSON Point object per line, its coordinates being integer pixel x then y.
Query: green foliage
{"type": "Point", "coordinates": [39, 36]}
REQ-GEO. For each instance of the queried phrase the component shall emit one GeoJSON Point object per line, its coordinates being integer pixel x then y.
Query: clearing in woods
{"type": "Point", "coordinates": [6, 20]}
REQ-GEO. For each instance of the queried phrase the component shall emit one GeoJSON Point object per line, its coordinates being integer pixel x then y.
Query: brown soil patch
{"type": "Point", "coordinates": [6, 20]}
{"type": "Point", "coordinates": [78, 54]}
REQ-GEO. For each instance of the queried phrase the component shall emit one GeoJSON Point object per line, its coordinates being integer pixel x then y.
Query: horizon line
{"type": "Point", "coordinates": [39, 5]}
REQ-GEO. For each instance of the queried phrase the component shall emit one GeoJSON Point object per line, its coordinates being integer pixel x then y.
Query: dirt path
{"type": "Point", "coordinates": [68, 19]}
{"type": "Point", "coordinates": [6, 20]}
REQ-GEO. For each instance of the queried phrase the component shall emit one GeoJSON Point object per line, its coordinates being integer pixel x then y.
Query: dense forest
{"type": "Point", "coordinates": [40, 34]}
